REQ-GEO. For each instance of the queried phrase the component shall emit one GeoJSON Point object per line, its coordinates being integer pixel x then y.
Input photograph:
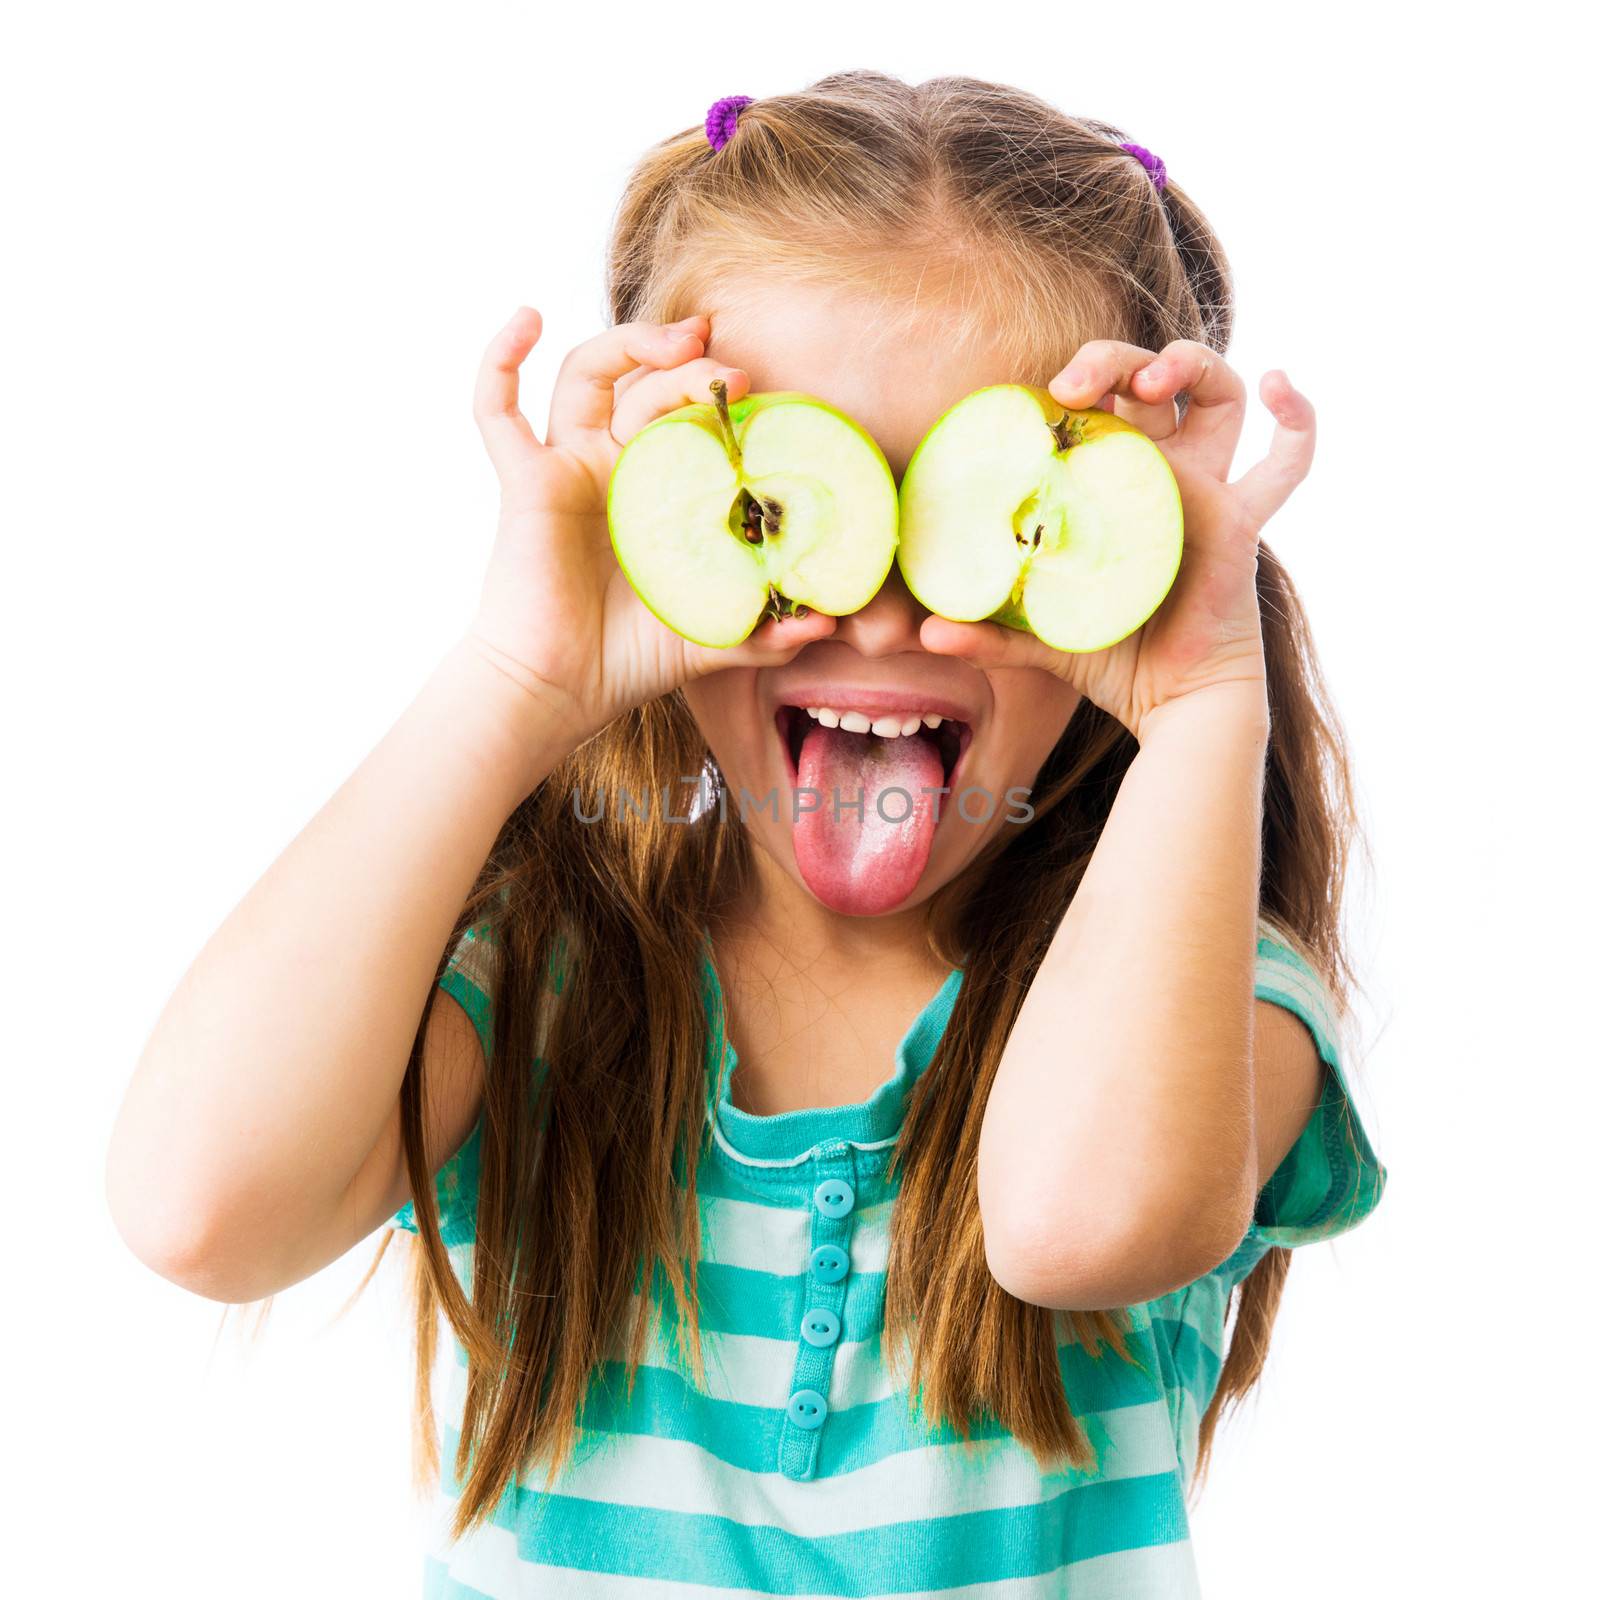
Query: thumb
{"type": "Point", "coordinates": [989, 644]}
{"type": "Point", "coordinates": [772, 644]}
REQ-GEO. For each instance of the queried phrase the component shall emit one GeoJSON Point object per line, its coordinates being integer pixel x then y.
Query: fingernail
{"type": "Point", "coordinates": [1074, 377]}
{"type": "Point", "coordinates": [1154, 371]}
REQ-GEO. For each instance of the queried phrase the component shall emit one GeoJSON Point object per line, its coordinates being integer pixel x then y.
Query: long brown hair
{"type": "Point", "coordinates": [1043, 232]}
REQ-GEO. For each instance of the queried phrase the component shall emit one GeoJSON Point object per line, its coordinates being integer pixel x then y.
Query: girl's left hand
{"type": "Point", "coordinates": [1206, 634]}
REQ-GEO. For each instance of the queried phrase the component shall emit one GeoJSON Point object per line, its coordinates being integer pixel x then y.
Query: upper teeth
{"type": "Point", "coordinates": [889, 727]}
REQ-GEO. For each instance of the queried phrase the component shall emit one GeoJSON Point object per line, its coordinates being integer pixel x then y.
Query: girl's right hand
{"type": "Point", "coordinates": [556, 612]}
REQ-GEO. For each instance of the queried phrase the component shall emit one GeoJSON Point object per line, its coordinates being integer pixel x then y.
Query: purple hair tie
{"type": "Point", "coordinates": [1154, 165]}
{"type": "Point", "coordinates": [723, 118]}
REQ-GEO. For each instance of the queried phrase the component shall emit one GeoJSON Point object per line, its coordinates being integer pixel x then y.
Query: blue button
{"type": "Point", "coordinates": [829, 1263]}
{"type": "Point", "coordinates": [807, 1408]}
{"type": "Point", "coordinates": [819, 1326]}
{"type": "Point", "coordinates": [835, 1197]}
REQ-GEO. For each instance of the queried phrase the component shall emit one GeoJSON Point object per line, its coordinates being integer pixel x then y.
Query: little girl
{"type": "Point", "coordinates": [808, 1222]}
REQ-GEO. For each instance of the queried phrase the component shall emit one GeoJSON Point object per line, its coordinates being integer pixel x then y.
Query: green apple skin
{"type": "Point", "coordinates": [1111, 538]}
{"type": "Point", "coordinates": [825, 557]}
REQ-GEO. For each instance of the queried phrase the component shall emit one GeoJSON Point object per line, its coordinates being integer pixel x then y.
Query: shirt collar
{"type": "Point", "coordinates": [790, 1135]}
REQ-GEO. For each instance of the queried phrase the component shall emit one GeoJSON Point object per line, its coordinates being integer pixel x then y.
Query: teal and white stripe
{"type": "Point", "coordinates": [477, 1569]}
{"type": "Point", "coordinates": [678, 1490]}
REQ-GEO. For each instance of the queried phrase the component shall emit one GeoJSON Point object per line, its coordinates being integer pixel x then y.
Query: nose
{"type": "Point", "coordinates": [888, 624]}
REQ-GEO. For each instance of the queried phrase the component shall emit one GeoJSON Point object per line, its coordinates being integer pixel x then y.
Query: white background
{"type": "Point", "coordinates": [253, 256]}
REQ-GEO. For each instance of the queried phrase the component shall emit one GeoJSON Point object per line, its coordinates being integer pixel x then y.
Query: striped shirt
{"type": "Point", "coordinates": [800, 1469]}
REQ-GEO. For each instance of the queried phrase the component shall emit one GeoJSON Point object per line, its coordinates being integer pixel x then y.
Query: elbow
{"type": "Point", "coordinates": [171, 1237]}
{"type": "Point", "coordinates": [190, 1262]}
{"type": "Point", "coordinates": [1114, 1256]}
{"type": "Point", "coordinates": [179, 1257]}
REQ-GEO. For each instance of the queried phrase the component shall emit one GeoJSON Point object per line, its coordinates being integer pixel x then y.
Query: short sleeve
{"type": "Point", "coordinates": [469, 979]}
{"type": "Point", "coordinates": [1331, 1178]}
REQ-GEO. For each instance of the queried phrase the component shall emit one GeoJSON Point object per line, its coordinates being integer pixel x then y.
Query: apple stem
{"type": "Point", "coordinates": [1065, 432]}
{"type": "Point", "coordinates": [719, 398]}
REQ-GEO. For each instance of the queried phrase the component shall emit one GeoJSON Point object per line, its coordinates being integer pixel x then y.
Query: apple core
{"type": "Point", "coordinates": [775, 505]}
{"type": "Point", "coordinates": [1065, 524]}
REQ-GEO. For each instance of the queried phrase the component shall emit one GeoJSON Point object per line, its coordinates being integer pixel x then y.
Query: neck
{"type": "Point", "coordinates": [816, 1000]}
{"type": "Point", "coordinates": [779, 931]}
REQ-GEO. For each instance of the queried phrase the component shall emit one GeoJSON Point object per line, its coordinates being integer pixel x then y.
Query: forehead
{"type": "Point", "coordinates": [893, 364]}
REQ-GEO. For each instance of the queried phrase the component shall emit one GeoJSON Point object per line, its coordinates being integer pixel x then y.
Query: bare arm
{"type": "Point", "coordinates": [1138, 1103]}
{"type": "Point", "coordinates": [274, 1071]}
{"type": "Point", "coordinates": [1120, 1154]}
{"type": "Point", "coordinates": [259, 1138]}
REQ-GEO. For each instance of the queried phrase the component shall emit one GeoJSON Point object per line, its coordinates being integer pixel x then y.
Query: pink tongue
{"type": "Point", "coordinates": [855, 855]}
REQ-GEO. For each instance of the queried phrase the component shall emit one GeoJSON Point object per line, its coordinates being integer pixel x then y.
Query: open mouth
{"type": "Point", "coordinates": [949, 736]}
{"type": "Point", "coordinates": [868, 773]}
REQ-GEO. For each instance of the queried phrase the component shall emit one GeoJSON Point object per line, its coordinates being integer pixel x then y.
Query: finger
{"type": "Point", "coordinates": [1107, 366]}
{"type": "Point", "coordinates": [631, 377]}
{"type": "Point", "coordinates": [628, 379]}
{"type": "Point", "coordinates": [988, 644]}
{"type": "Point", "coordinates": [660, 392]}
{"type": "Point", "coordinates": [1265, 487]}
{"type": "Point", "coordinates": [1217, 399]}
{"type": "Point", "coordinates": [506, 433]}
{"type": "Point", "coordinates": [585, 391]}
{"type": "Point", "coordinates": [773, 643]}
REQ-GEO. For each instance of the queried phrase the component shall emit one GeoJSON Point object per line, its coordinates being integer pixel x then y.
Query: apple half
{"type": "Point", "coordinates": [775, 505]}
{"type": "Point", "coordinates": [1065, 524]}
